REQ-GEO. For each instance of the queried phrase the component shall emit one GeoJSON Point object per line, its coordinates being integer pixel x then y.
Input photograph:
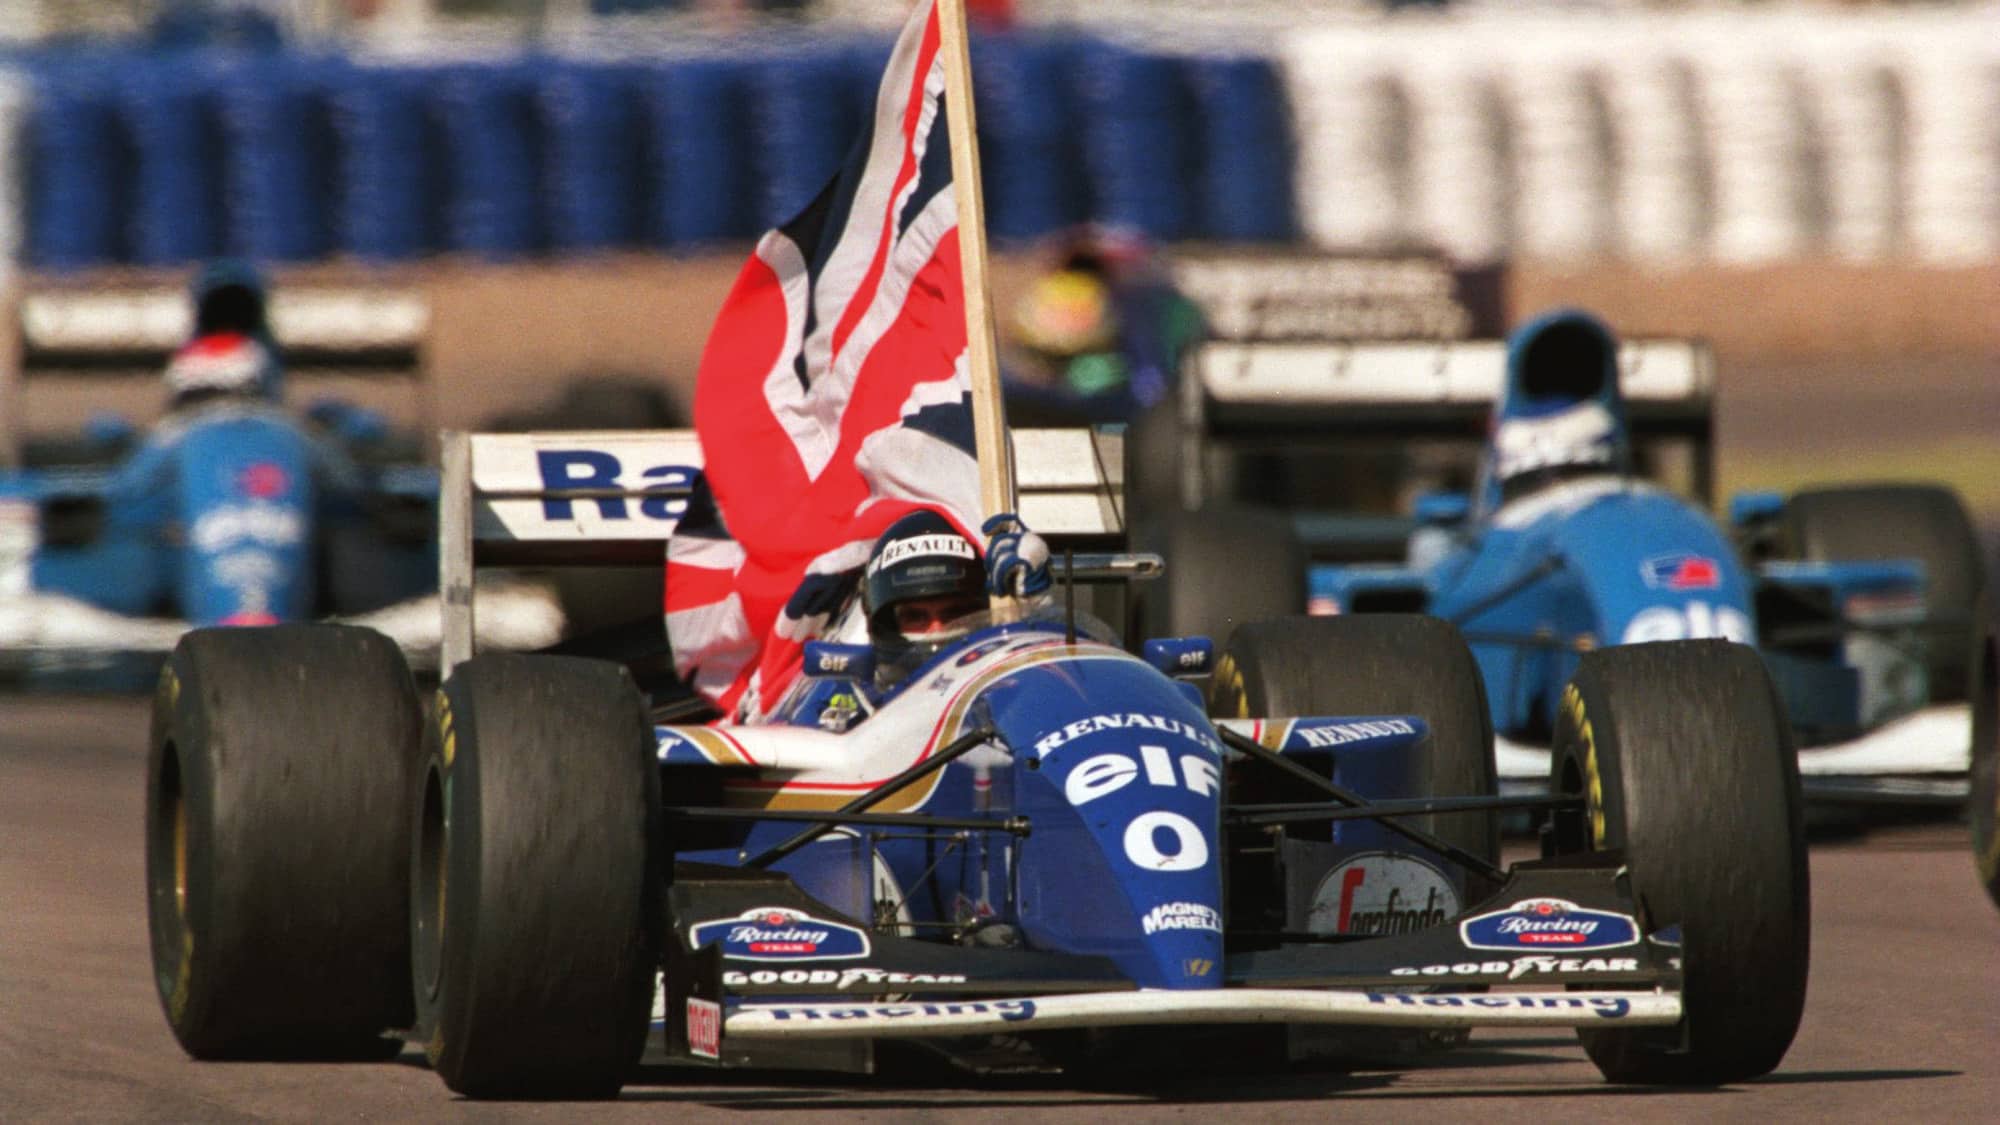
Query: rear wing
{"type": "Point", "coordinates": [89, 335]}
{"type": "Point", "coordinates": [1289, 393]}
{"type": "Point", "coordinates": [609, 498]}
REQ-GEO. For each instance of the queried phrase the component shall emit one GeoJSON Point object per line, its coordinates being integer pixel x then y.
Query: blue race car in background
{"type": "Point", "coordinates": [232, 509]}
{"type": "Point", "coordinates": [1858, 598]}
{"type": "Point", "coordinates": [1036, 834]}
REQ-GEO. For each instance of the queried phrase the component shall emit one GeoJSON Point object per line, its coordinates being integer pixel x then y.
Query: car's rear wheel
{"type": "Point", "coordinates": [1226, 566]}
{"type": "Point", "coordinates": [1985, 802]}
{"type": "Point", "coordinates": [537, 877]}
{"type": "Point", "coordinates": [277, 837]}
{"type": "Point", "coordinates": [1372, 664]}
{"type": "Point", "coordinates": [1685, 761]}
{"type": "Point", "coordinates": [1902, 521]}
{"type": "Point", "coordinates": [1375, 664]}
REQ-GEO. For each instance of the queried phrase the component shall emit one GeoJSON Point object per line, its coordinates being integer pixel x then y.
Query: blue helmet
{"type": "Point", "coordinates": [1560, 413]}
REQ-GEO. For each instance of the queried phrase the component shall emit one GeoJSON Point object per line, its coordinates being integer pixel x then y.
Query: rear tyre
{"type": "Point", "coordinates": [1225, 566]}
{"type": "Point", "coordinates": [1685, 760]}
{"type": "Point", "coordinates": [1985, 801]}
{"type": "Point", "coordinates": [1902, 521]}
{"type": "Point", "coordinates": [277, 842]}
{"type": "Point", "coordinates": [536, 873]}
{"type": "Point", "coordinates": [1375, 664]}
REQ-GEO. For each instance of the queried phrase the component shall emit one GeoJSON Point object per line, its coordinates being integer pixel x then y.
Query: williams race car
{"type": "Point", "coordinates": [1569, 540]}
{"type": "Point", "coordinates": [232, 509]}
{"type": "Point", "coordinates": [1038, 841]}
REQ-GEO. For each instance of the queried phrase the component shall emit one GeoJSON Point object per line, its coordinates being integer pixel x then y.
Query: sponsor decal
{"type": "Point", "coordinates": [779, 933]}
{"type": "Point", "coordinates": [839, 978]}
{"type": "Point", "coordinates": [665, 487]}
{"type": "Point", "coordinates": [1537, 923]}
{"type": "Point", "coordinates": [223, 362]}
{"type": "Point", "coordinates": [1340, 734]}
{"type": "Point", "coordinates": [1683, 570]}
{"type": "Point", "coordinates": [1197, 967]}
{"type": "Point", "coordinates": [1580, 435]}
{"type": "Point", "coordinates": [1013, 1011]}
{"type": "Point", "coordinates": [1381, 893]}
{"type": "Point", "coordinates": [1181, 916]}
{"type": "Point", "coordinates": [704, 1028]}
{"type": "Point", "coordinates": [1108, 773]}
{"type": "Point", "coordinates": [1522, 966]}
{"type": "Point", "coordinates": [1057, 739]}
{"type": "Point", "coordinates": [1694, 620]}
{"type": "Point", "coordinates": [260, 521]}
{"type": "Point", "coordinates": [923, 546]}
{"type": "Point", "coordinates": [1609, 1007]}
{"type": "Point", "coordinates": [1142, 844]}
{"type": "Point", "coordinates": [263, 480]}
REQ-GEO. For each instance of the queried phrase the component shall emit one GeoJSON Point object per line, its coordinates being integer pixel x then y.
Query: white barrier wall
{"type": "Point", "coordinates": [1736, 136]}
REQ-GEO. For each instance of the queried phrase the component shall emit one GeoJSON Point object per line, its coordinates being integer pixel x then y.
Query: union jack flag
{"type": "Point", "coordinates": [833, 398]}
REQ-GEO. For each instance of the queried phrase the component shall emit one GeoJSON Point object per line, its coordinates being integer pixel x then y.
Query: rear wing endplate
{"type": "Point", "coordinates": [608, 498]}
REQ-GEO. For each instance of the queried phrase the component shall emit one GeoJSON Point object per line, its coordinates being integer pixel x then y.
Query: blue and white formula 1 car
{"type": "Point", "coordinates": [1858, 598]}
{"type": "Point", "coordinates": [230, 510]}
{"type": "Point", "coordinates": [1037, 832]}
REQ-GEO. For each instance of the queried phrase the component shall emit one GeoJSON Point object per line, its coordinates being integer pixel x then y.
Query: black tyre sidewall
{"type": "Point", "coordinates": [1984, 805]}
{"type": "Point", "coordinates": [1686, 762]}
{"type": "Point", "coordinates": [293, 748]}
{"type": "Point", "coordinates": [553, 876]}
{"type": "Point", "coordinates": [1375, 664]}
{"type": "Point", "coordinates": [1895, 521]}
{"type": "Point", "coordinates": [1225, 567]}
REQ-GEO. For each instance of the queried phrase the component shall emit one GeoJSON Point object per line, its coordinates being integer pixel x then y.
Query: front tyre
{"type": "Point", "coordinates": [537, 876]}
{"type": "Point", "coordinates": [1686, 762]}
{"type": "Point", "coordinates": [1985, 802]}
{"type": "Point", "coordinates": [277, 836]}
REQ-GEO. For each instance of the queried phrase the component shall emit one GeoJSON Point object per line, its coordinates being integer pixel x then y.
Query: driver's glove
{"type": "Point", "coordinates": [1017, 560]}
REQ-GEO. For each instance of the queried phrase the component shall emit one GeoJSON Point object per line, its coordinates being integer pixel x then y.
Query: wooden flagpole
{"type": "Point", "coordinates": [989, 417]}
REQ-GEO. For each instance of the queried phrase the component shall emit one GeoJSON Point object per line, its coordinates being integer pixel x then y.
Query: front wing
{"type": "Point", "coordinates": [872, 985]}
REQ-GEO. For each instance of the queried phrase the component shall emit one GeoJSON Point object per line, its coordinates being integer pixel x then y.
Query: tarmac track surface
{"type": "Point", "coordinates": [1902, 1020]}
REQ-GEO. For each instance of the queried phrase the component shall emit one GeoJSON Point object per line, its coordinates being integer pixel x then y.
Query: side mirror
{"type": "Point", "coordinates": [1747, 509]}
{"type": "Point", "coordinates": [826, 660]}
{"type": "Point", "coordinates": [109, 431]}
{"type": "Point", "coordinates": [1180, 657]}
{"type": "Point", "coordinates": [1434, 509]}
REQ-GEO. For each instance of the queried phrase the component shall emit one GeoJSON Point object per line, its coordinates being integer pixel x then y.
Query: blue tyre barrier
{"type": "Point", "coordinates": [590, 121]}
{"type": "Point", "coordinates": [389, 162]}
{"type": "Point", "coordinates": [277, 159]}
{"type": "Point", "coordinates": [176, 205]}
{"type": "Point", "coordinates": [697, 170]}
{"type": "Point", "coordinates": [492, 203]}
{"type": "Point", "coordinates": [805, 115]}
{"type": "Point", "coordinates": [1138, 155]}
{"type": "Point", "coordinates": [1244, 183]}
{"type": "Point", "coordinates": [1030, 155]}
{"type": "Point", "coordinates": [76, 192]}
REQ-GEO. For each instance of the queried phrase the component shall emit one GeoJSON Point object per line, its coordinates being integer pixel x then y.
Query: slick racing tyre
{"type": "Point", "coordinates": [1901, 521]}
{"type": "Point", "coordinates": [1985, 802]}
{"type": "Point", "coordinates": [1685, 761]}
{"type": "Point", "coordinates": [1375, 664]}
{"type": "Point", "coordinates": [536, 879]}
{"type": "Point", "coordinates": [1225, 566]}
{"type": "Point", "coordinates": [277, 842]}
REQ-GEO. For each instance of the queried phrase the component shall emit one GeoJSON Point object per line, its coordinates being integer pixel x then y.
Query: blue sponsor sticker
{"type": "Point", "coordinates": [1548, 923]}
{"type": "Point", "coordinates": [779, 933]}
